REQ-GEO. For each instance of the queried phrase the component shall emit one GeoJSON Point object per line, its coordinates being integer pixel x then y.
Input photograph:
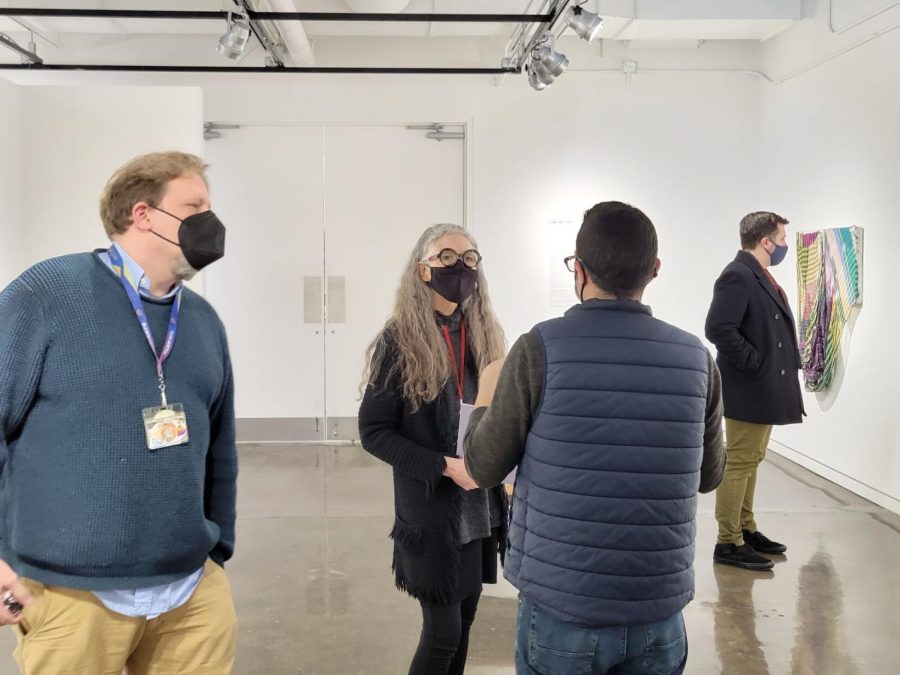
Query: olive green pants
{"type": "Point", "coordinates": [747, 444]}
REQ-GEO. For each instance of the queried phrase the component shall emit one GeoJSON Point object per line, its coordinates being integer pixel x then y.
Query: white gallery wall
{"type": "Point", "coordinates": [813, 136]}
{"type": "Point", "coordinates": [831, 158]}
{"type": "Point", "coordinates": [682, 147]}
{"type": "Point", "coordinates": [696, 151]}
{"type": "Point", "coordinates": [11, 180]}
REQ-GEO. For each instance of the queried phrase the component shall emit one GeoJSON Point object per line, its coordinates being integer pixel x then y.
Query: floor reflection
{"type": "Point", "coordinates": [734, 617]}
{"type": "Point", "coordinates": [820, 647]}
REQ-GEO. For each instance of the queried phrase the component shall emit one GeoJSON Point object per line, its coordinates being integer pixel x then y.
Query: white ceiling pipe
{"type": "Point", "coordinates": [377, 6]}
{"type": "Point", "coordinates": [296, 43]}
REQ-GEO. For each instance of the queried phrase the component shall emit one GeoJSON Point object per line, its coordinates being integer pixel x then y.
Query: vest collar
{"type": "Point", "coordinates": [594, 304]}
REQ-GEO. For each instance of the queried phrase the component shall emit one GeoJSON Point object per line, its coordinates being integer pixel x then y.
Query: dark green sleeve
{"type": "Point", "coordinates": [495, 440]}
{"type": "Point", "coordinates": [712, 469]}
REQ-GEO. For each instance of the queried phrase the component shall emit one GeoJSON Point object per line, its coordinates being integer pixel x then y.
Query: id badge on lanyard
{"type": "Point", "coordinates": [165, 425]}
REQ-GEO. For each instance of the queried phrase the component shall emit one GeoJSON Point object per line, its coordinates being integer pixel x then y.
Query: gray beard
{"type": "Point", "coordinates": [182, 269]}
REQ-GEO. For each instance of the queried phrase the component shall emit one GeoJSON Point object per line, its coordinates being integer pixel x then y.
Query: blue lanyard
{"type": "Point", "coordinates": [138, 305]}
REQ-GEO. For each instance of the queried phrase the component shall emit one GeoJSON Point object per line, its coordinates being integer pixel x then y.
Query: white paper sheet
{"type": "Point", "coordinates": [465, 413]}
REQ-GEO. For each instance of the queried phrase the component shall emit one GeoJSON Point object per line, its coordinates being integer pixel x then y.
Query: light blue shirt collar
{"type": "Point", "coordinates": [136, 276]}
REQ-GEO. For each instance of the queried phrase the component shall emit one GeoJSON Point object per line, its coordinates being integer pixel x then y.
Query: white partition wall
{"type": "Point", "coordinates": [74, 138]}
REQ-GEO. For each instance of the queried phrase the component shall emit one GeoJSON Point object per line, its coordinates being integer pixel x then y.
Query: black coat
{"type": "Point", "coordinates": [426, 504]}
{"type": "Point", "coordinates": [752, 327]}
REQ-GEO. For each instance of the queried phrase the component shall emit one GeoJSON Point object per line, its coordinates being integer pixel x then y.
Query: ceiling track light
{"type": "Point", "coordinates": [234, 41]}
{"type": "Point", "coordinates": [533, 80]}
{"type": "Point", "coordinates": [586, 25]}
{"type": "Point", "coordinates": [546, 65]}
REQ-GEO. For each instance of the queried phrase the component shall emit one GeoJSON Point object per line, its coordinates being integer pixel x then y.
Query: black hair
{"type": "Point", "coordinates": [618, 246]}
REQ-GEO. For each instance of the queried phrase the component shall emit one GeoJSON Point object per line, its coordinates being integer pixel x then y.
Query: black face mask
{"type": "Point", "coordinates": [454, 283]}
{"type": "Point", "coordinates": [579, 292]}
{"type": "Point", "coordinates": [201, 238]}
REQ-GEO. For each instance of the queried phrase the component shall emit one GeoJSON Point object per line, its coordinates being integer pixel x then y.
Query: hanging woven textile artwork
{"type": "Point", "coordinates": [829, 282]}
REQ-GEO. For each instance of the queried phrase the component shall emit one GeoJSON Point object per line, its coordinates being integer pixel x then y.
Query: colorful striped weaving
{"type": "Point", "coordinates": [829, 283]}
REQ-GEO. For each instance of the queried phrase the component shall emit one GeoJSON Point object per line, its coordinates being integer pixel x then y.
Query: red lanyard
{"type": "Point", "coordinates": [459, 371]}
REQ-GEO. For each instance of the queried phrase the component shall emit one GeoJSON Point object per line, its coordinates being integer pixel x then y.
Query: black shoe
{"type": "Point", "coordinates": [741, 556]}
{"type": "Point", "coordinates": [762, 543]}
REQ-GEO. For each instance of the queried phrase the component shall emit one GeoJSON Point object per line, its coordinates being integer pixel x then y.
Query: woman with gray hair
{"type": "Point", "coordinates": [421, 369]}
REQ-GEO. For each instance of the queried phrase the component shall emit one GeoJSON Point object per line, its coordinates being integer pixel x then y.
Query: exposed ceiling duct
{"type": "Point", "coordinates": [377, 6]}
{"type": "Point", "coordinates": [298, 49]}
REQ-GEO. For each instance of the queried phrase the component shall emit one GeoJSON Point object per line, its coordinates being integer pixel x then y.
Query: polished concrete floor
{"type": "Point", "coordinates": [314, 593]}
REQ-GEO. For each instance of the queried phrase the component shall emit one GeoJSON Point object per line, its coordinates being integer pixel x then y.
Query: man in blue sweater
{"type": "Point", "coordinates": [614, 419]}
{"type": "Point", "coordinates": [118, 464]}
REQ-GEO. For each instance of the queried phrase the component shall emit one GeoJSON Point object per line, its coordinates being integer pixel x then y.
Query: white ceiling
{"type": "Point", "coordinates": [657, 21]}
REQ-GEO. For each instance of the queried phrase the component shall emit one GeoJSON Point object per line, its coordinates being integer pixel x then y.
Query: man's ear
{"type": "Point", "coordinates": [140, 216]}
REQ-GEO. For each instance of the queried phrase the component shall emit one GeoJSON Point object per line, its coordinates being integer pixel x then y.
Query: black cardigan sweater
{"type": "Point", "coordinates": [426, 558]}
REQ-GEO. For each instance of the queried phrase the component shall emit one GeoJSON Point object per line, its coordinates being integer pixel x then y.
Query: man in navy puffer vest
{"type": "Point", "coordinates": [614, 421]}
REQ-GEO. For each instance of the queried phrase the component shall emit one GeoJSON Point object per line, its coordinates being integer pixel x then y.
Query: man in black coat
{"type": "Point", "coordinates": [751, 324]}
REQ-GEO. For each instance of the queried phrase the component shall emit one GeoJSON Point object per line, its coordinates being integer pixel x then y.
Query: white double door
{"type": "Point", "coordinates": [321, 222]}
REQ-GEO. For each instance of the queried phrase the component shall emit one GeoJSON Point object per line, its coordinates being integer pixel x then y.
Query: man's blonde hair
{"type": "Point", "coordinates": [143, 179]}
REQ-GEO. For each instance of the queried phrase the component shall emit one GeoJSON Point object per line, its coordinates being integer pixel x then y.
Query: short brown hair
{"type": "Point", "coordinates": [143, 179]}
{"type": "Point", "coordinates": [758, 225]}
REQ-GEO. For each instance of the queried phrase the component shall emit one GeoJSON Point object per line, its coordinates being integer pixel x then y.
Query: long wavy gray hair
{"type": "Point", "coordinates": [423, 363]}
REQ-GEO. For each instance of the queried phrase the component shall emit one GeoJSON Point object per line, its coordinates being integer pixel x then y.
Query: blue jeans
{"type": "Point", "coordinates": [546, 645]}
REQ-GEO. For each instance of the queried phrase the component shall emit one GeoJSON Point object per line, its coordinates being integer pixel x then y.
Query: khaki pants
{"type": "Point", "coordinates": [747, 444]}
{"type": "Point", "coordinates": [70, 632]}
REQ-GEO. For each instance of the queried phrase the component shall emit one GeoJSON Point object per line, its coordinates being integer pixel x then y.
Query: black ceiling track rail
{"type": "Point", "coordinates": [258, 69]}
{"type": "Point", "coordinates": [274, 16]}
{"type": "Point", "coordinates": [255, 16]}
